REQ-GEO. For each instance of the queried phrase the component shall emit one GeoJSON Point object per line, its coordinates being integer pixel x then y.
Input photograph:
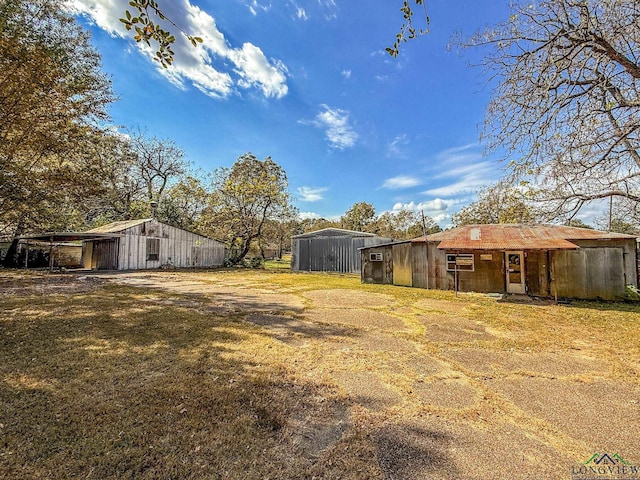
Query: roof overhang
{"type": "Point", "coordinates": [69, 236]}
{"type": "Point", "coordinates": [508, 244]}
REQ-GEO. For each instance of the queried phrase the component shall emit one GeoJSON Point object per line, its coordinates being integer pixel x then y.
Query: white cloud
{"type": "Point", "coordinates": [394, 149]}
{"type": "Point", "coordinates": [464, 172]}
{"type": "Point", "coordinates": [436, 205]}
{"type": "Point", "coordinates": [250, 67]}
{"type": "Point", "coordinates": [301, 14]}
{"type": "Point", "coordinates": [254, 7]}
{"type": "Point", "coordinates": [401, 181]}
{"type": "Point", "coordinates": [438, 209]}
{"type": "Point", "coordinates": [305, 215]}
{"type": "Point", "coordinates": [309, 194]}
{"type": "Point", "coordinates": [335, 122]}
{"type": "Point", "coordinates": [346, 74]}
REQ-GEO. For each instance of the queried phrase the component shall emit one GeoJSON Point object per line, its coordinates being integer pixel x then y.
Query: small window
{"type": "Point", "coordinates": [375, 257]}
{"type": "Point", "coordinates": [153, 249]}
{"type": "Point", "coordinates": [462, 262]}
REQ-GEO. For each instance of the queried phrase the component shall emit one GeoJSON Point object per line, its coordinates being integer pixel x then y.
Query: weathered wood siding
{"type": "Point", "coordinates": [377, 272]}
{"type": "Point", "coordinates": [536, 270]}
{"type": "Point", "coordinates": [402, 267]}
{"type": "Point", "coordinates": [488, 276]}
{"type": "Point", "coordinates": [598, 269]}
{"type": "Point", "coordinates": [105, 254]}
{"type": "Point", "coordinates": [177, 247]}
{"type": "Point", "coordinates": [588, 273]}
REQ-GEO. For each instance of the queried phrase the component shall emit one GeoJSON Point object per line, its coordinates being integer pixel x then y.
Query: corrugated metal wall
{"type": "Point", "coordinates": [588, 273]}
{"type": "Point", "coordinates": [402, 269]}
{"type": "Point", "coordinates": [330, 253]}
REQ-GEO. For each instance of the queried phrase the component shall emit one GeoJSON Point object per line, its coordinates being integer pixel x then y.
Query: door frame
{"type": "Point", "coordinates": [519, 287]}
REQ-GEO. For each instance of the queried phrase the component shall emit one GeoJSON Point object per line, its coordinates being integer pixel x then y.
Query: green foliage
{"type": "Point", "coordinates": [407, 30]}
{"type": "Point", "coordinates": [631, 294]}
{"type": "Point", "coordinates": [148, 31]}
{"type": "Point", "coordinates": [404, 224]}
{"type": "Point", "coordinates": [245, 198]}
{"type": "Point", "coordinates": [499, 203]}
{"type": "Point", "coordinates": [360, 217]}
{"type": "Point", "coordinates": [53, 96]}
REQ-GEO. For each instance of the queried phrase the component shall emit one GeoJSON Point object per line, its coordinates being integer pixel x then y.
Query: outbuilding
{"type": "Point", "coordinates": [331, 250]}
{"type": "Point", "coordinates": [135, 245]}
{"type": "Point", "coordinates": [147, 243]}
{"type": "Point", "coordinates": [538, 260]}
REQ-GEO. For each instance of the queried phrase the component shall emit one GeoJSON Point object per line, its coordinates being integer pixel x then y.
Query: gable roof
{"type": "Point", "coordinates": [516, 237]}
{"type": "Point", "coordinates": [115, 227]}
{"type": "Point", "coordinates": [334, 232]}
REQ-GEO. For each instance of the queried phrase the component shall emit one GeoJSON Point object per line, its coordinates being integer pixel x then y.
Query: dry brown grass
{"type": "Point", "coordinates": [208, 375]}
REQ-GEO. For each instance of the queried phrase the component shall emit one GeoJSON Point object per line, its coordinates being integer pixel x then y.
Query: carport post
{"type": "Point", "coordinates": [50, 253]}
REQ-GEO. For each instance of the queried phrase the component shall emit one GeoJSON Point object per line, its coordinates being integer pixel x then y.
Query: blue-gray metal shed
{"type": "Point", "coordinates": [331, 250]}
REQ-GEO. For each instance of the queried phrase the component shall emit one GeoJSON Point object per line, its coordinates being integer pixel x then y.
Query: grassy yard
{"type": "Point", "coordinates": [272, 374]}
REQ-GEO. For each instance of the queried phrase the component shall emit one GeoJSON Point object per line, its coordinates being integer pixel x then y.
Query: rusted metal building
{"type": "Point", "coordinates": [147, 243]}
{"type": "Point", "coordinates": [539, 260]}
{"type": "Point", "coordinates": [331, 250]}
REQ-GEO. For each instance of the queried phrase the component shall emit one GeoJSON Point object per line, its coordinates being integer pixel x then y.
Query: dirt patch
{"type": "Point", "coordinates": [448, 393]}
{"type": "Point", "coordinates": [603, 414]}
{"type": "Point", "coordinates": [48, 284]}
{"type": "Point", "coordinates": [223, 299]}
{"type": "Point", "coordinates": [357, 317]}
{"type": "Point", "coordinates": [438, 448]}
{"type": "Point", "coordinates": [284, 327]}
{"type": "Point", "coordinates": [366, 389]}
{"type": "Point", "coordinates": [372, 342]}
{"type": "Point", "coordinates": [544, 363]}
{"type": "Point", "coordinates": [348, 299]}
{"type": "Point", "coordinates": [447, 328]}
{"type": "Point", "coordinates": [314, 428]}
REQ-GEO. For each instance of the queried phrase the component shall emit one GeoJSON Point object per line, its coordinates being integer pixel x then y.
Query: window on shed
{"type": "Point", "coordinates": [462, 262]}
{"type": "Point", "coordinates": [375, 257]}
{"type": "Point", "coordinates": [153, 249]}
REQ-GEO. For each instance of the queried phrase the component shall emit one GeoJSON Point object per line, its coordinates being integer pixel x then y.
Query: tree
{"type": "Point", "coordinates": [245, 197]}
{"type": "Point", "coordinates": [53, 96]}
{"type": "Point", "coordinates": [157, 162]}
{"type": "Point", "coordinates": [360, 217]}
{"type": "Point", "coordinates": [568, 99]}
{"type": "Point", "coordinates": [313, 224]}
{"type": "Point", "coordinates": [500, 203]}
{"type": "Point", "coordinates": [404, 224]}
{"type": "Point", "coordinates": [183, 204]}
{"type": "Point", "coordinates": [135, 170]}
{"type": "Point", "coordinates": [278, 231]}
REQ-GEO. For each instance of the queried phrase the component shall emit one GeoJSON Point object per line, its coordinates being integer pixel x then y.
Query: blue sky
{"type": "Point", "coordinates": [308, 83]}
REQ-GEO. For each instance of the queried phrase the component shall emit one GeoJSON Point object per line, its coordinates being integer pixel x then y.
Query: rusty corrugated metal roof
{"type": "Point", "coordinates": [516, 237]}
{"type": "Point", "coordinates": [118, 226]}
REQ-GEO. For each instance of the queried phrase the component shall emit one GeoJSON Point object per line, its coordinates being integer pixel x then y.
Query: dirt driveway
{"type": "Point", "coordinates": [444, 387]}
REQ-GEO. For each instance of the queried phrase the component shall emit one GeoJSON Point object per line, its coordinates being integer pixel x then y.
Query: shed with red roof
{"type": "Point", "coordinates": [539, 260]}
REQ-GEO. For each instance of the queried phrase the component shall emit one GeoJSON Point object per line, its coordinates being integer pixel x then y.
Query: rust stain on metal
{"type": "Point", "coordinates": [515, 237]}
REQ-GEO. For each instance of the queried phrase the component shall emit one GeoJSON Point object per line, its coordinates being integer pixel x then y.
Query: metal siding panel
{"type": "Point", "coordinates": [588, 273]}
{"type": "Point", "coordinates": [402, 274]}
{"type": "Point", "coordinates": [419, 265]}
